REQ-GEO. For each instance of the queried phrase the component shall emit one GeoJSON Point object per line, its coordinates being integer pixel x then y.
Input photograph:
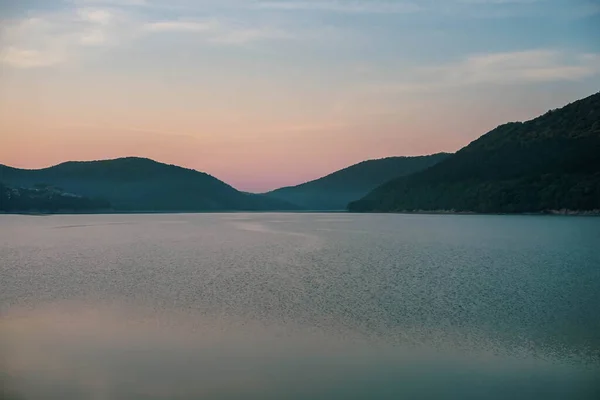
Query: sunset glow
{"type": "Point", "coordinates": [263, 94]}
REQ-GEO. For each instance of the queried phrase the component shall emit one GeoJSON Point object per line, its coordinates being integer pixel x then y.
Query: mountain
{"type": "Point", "coordinates": [141, 184]}
{"type": "Point", "coordinates": [43, 198]}
{"type": "Point", "coordinates": [336, 190]}
{"type": "Point", "coordinates": [549, 163]}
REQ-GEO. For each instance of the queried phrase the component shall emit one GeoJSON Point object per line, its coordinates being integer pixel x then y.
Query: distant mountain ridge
{"type": "Point", "coordinates": [47, 199]}
{"type": "Point", "coordinates": [549, 163]}
{"type": "Point", "coordinates": [141, 184]}
{"type": "Point", "coordinates": [336, 190]}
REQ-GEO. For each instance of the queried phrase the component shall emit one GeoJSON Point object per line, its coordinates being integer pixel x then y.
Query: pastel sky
{"type": "Point", "coordinates": [266, 93]}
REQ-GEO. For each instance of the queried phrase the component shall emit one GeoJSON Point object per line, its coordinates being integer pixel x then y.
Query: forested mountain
{"type": "Point", "coordinates": [42, 198]}
{"type": "Point", "coordinates": [549, 163]}
{"type": "Point", "coordinates": [336, 190]}
{"type": "Point", "coordinates": [140, 184]}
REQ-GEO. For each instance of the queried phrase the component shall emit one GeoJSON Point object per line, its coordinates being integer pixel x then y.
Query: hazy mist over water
{"type": "Point", "coordinates": [316, 306]}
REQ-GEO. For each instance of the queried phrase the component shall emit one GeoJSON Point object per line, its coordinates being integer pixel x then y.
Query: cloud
{"type": "Point", "coordinates": [25, 58]}
{"type": "Point", "coordinates": [241, 36]}
{"type": "Point", "coordinates": [51, 38]}
{"type": "Point", "coordinates": [120, 3]}
{"type": "Point", "coordinates": [96, 16]}
{"type": "Point", "coordinates": [455, 9]}
{"type": "Point", "coordinates": [93, 38]}
{"type": "Point", "coordinates": [491, 2]}
{"type": "Point", "coordinates": [519, 67]}
{"type": "Point", "coordinates": [215, 31]}
{"type": "Point", "coordinates": [506, 68]}
{"type": "Point", "coordinates": [345, 6]}
{"type": "Point", "coordinates": [181, 26]}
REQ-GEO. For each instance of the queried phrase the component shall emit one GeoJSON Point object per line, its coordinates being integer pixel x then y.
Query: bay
{"type": "Point", "coordinates": [186, 306]}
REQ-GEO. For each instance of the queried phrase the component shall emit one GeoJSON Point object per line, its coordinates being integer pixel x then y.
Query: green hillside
{"type": "Point", "coordinates": [140, 184]}
{"type": "Point", "coordinates": [336, 190]}
{"type": "Point", "coordinates": [549, 163]}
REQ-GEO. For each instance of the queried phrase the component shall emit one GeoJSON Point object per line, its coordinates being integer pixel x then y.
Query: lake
{"type": "Point", "coordinates": [315, 306]}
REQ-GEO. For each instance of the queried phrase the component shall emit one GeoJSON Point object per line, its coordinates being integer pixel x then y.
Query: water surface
{"type": "Point", "coordinates": [299, 306]}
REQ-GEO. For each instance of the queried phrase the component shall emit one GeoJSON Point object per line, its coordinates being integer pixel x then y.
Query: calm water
{"type": "Point", "coordinates": [316, 306]}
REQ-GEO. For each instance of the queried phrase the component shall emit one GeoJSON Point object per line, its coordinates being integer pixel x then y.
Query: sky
{"type": "Point", "coordinates": [270, 93]}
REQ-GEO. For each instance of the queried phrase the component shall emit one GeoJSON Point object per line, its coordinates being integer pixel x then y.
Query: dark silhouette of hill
{"type": "Point", "coordinates": [140, 184]}
{"type": "Point", "coordinates": [549, 163]}
{"type": "Point", "coordinates": [47, 199]}
{"type": "Point", "coordinates": [336, 190]}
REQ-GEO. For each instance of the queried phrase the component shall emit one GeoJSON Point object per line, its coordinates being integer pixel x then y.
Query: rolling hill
{"type": "Point", "coordinates": [549, 163]}
{"type": "Point", "coordinates": [336, 190]}
{"type": "Point", "coordinates": [47, 199]}
{"type": "Point", "coordinates": [141, 184]}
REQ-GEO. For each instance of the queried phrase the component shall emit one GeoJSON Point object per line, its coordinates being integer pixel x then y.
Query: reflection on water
{"type": "Point", "coordinates": [71, 352]}
{"type": "Point", "coordinates": [299, 306]}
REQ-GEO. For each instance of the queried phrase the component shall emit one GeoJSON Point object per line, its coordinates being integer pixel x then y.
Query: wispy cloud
{"type": "Point", "coordinates": [462, 9]}
{"type": "Point", "coordinates": [519, 67]}
{"type": "Point", "coordinates": [24, 58]}
{"type": "Point", "coordinates": [241, 36]}
{"type": "Point", "coordinates": [455, 7]}
{"type": "Point", "coordinates": [500, 1]}
{"type": "Point", "coordinates": [564, 9]}
{"type": "Point", "coordinates": [344, 6]}
{"type": "Point", "coordinates": [215, 31]}
{"type": "Point", "coordinates": [523, 67]}
{"type": "Point", "coordinates": [96, 16]}
{"type": "Point", "coordinates": [181, 26]}
{"type": "Point", "coordinates": [121, 3]}
{"type": "Point", "coordinates": [51, 38]}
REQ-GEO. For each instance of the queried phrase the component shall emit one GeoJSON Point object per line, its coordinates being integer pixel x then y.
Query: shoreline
{"type": "Point", "coordinates": [573, 213]}
{"type": "Point", "coordinates": [567, 213]}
